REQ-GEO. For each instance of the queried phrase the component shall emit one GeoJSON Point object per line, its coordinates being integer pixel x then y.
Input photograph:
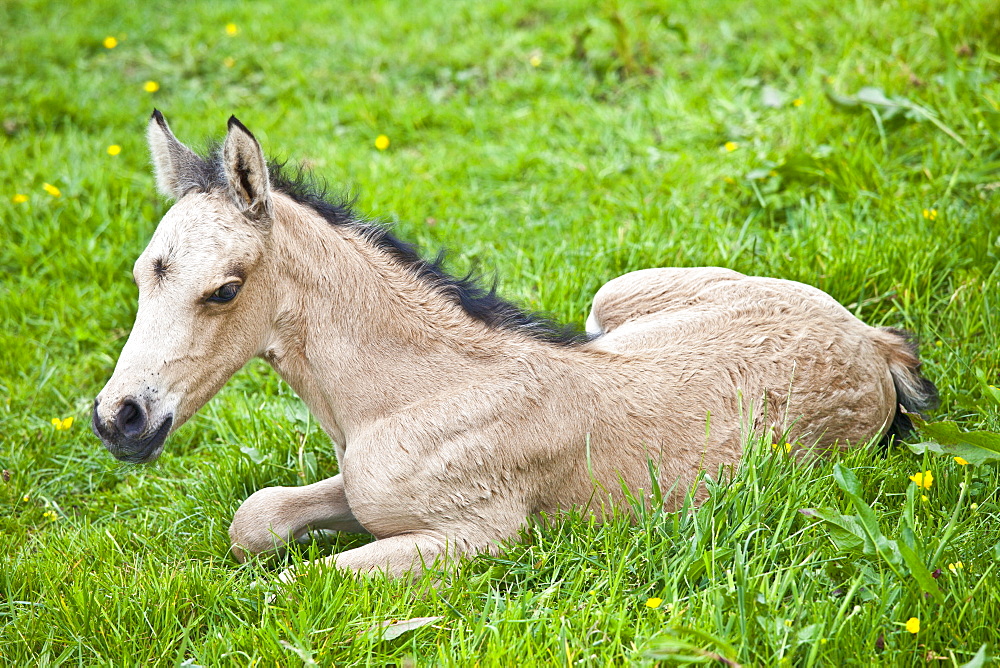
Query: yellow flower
{"type": "Point", "coordinates": [535, 60]}
{"type": "Point", "coordinates": [114, 149]}
{"type": "Point", "coordinates": [797, 102]}
{"type": "Point", "coordinates": [19, 198]}
{"type": "Point", "coordinates": [110, 42]}
{"type": "Point", "coordinates": [51, 189]}
{"type": "Point", "coordinates": [955, 566]}
{"type": "Point", "coordinates": [960, 461]}
{"type": "Point", "coordinates": [939, 343]}
{"type": "Point", "coordinates": [381, 142]}
{"type": "Point", "coordinates": [731, 146]}
{"type": "Point", "coordinates": [728, 179]}
{"type": "Point", "coordinates": [973, 506]}
{"type": "Point", "coordinates": [25, 498]}
{"type": "Point", "coordinates": [151, 86]}
{"type": "Point", "coordinates": [930, 214]}
{"type": "Point", "coordinates": [925, 479]}
{"type": "Point", "coordinates": [653, 602]}
{"type": "Point", "coordinates": [787, 447]}
{"type": "Point", "coordinates": [913, 625]}
{"type": "Point", "coordinates": [63, 424]}
{"type": "Point", "coordinates": [50, 515]}
{"type": "Point", "coordinates": [924, 497]}
{"type": "Point", "coordinates": [228, 62]}
{"type": "Point", "coordinates": [231, 29]}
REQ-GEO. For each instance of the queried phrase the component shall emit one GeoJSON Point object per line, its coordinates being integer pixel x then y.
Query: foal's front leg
{"type": "Point", "coordinates": [395, 556]}
{"type": "Point", "coordinates": [275, 516]}
{"type": "Point", "coordinates": [409, 552]}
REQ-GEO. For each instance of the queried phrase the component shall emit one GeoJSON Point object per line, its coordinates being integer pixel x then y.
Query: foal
{"type": "Point", "coordinates": [455, 415]}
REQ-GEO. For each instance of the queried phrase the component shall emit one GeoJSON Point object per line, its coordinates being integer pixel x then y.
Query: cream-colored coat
{"type": "Point", "coordinates": [450, 432]}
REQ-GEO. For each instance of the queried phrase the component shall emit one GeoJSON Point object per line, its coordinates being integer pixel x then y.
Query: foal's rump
{"type": "Point", "coordinates": [805, 365]}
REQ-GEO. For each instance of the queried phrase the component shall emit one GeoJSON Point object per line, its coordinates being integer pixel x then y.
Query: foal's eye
{"type": "Point", "coordinates": [226, 293]}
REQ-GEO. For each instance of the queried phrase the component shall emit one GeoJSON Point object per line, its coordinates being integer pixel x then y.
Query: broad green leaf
{"type": "Point", "coordinates": [305, 655]}
{"type": "Point", "coordinates": [682, 651]}
{"type": "Point", "coordinates": [868, 97]}
{"type": "Point", "coordinates": [845, 531]}
{"type": "Point", "coordinates": [758, 174]}
{"type": "Point", "coordinates": [309, 466]}
{"type": "Point", "coordinates": [874, 96]}
{"type": "Point", "coordinates": [975, 447]}
{"type": "Point", "coordinates": [297, 413]}
{"type": "Point", "coordinates": [772, 97]}
{"type": "Point", "coordinates": [253, 454]}
{"type": "Point", "coordinates": [907, 536]}
{"type": "Point", "coordinates": [884, 547]}
{"type": "Point", "coordinates": [393, 629]}
{"type": "Point", "coordinates": [989, 390]}
{"type": "Point", "coordinates": [982, 658]}
{"type": "Point", "coordinates": [888, 550]}
{"type": "Point", "coordinates": [917, 568]}
{"type": "Point", "coordinates": [810, 634]}
{"type": "Point", "coordinates": [845, 102]}
{"type": "Point", "coordinates": [926, 446]}
{"type": "Point", "coordinates": [875, 100]}
{"type": "Point", "coordinates": [846, 479]}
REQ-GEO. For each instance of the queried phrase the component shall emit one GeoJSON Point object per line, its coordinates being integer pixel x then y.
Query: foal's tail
{"type": "Point", "coordinates": [914, 393]}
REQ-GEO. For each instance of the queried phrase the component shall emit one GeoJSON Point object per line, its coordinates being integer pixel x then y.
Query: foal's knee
{"type": "Point", "coordinates": [265, 523]}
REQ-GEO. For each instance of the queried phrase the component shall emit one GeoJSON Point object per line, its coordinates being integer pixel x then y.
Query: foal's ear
{"type": "Point", "coordinates": [178, 169]}
{"type": "Point", "coordinates": [246, 172]}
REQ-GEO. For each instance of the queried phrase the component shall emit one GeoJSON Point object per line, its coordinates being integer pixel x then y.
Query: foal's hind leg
{"type": "Point", "coordinates": [648, 291]}
{"type": "Point", "coordinates": [275, 516]}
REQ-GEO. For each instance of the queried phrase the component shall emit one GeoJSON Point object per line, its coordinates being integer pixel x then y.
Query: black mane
{"type": "Point", "coordinates": [481, 303]}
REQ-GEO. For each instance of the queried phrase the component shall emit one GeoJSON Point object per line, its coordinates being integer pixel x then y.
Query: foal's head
{"type": "Point", "coordinates": [205, 292]}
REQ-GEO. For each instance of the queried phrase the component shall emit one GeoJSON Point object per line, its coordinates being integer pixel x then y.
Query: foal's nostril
{"type": "Point", "coordinates": [131, 420]}
{"type": "Point", "coordinates": [95, 419]}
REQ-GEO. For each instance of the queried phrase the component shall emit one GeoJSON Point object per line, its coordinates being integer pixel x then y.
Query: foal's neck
{"type": "Point", "coordinates": [359, 336]}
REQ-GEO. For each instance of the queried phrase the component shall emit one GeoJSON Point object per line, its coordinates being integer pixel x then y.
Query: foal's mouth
{"type": "Point", "coordinates": [139, 451]}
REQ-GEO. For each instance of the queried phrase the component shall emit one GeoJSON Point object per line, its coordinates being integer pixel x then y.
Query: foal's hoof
{"type": "Point", "coordinates": [238, 554]}
{"type": "Point", "coordinates": [288, 576]}
{"type": "Point", "coordinates": [243, 552]}
{"type": "Point", "coordinates": [293, 573]}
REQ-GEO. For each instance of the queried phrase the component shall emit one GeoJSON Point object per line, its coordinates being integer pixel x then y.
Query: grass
{"type": "Point", "coordinates": [560, 144]}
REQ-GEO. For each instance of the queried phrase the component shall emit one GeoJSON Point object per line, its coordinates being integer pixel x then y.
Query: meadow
{"type": "Point", "coordinates": [851, 146]}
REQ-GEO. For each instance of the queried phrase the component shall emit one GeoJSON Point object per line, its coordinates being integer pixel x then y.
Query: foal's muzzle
{"type": "Point", "coordinates": [128, 434]}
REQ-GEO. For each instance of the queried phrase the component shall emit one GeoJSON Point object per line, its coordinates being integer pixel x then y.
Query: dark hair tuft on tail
{"type": "Point", "coordinates": [914, 393]}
